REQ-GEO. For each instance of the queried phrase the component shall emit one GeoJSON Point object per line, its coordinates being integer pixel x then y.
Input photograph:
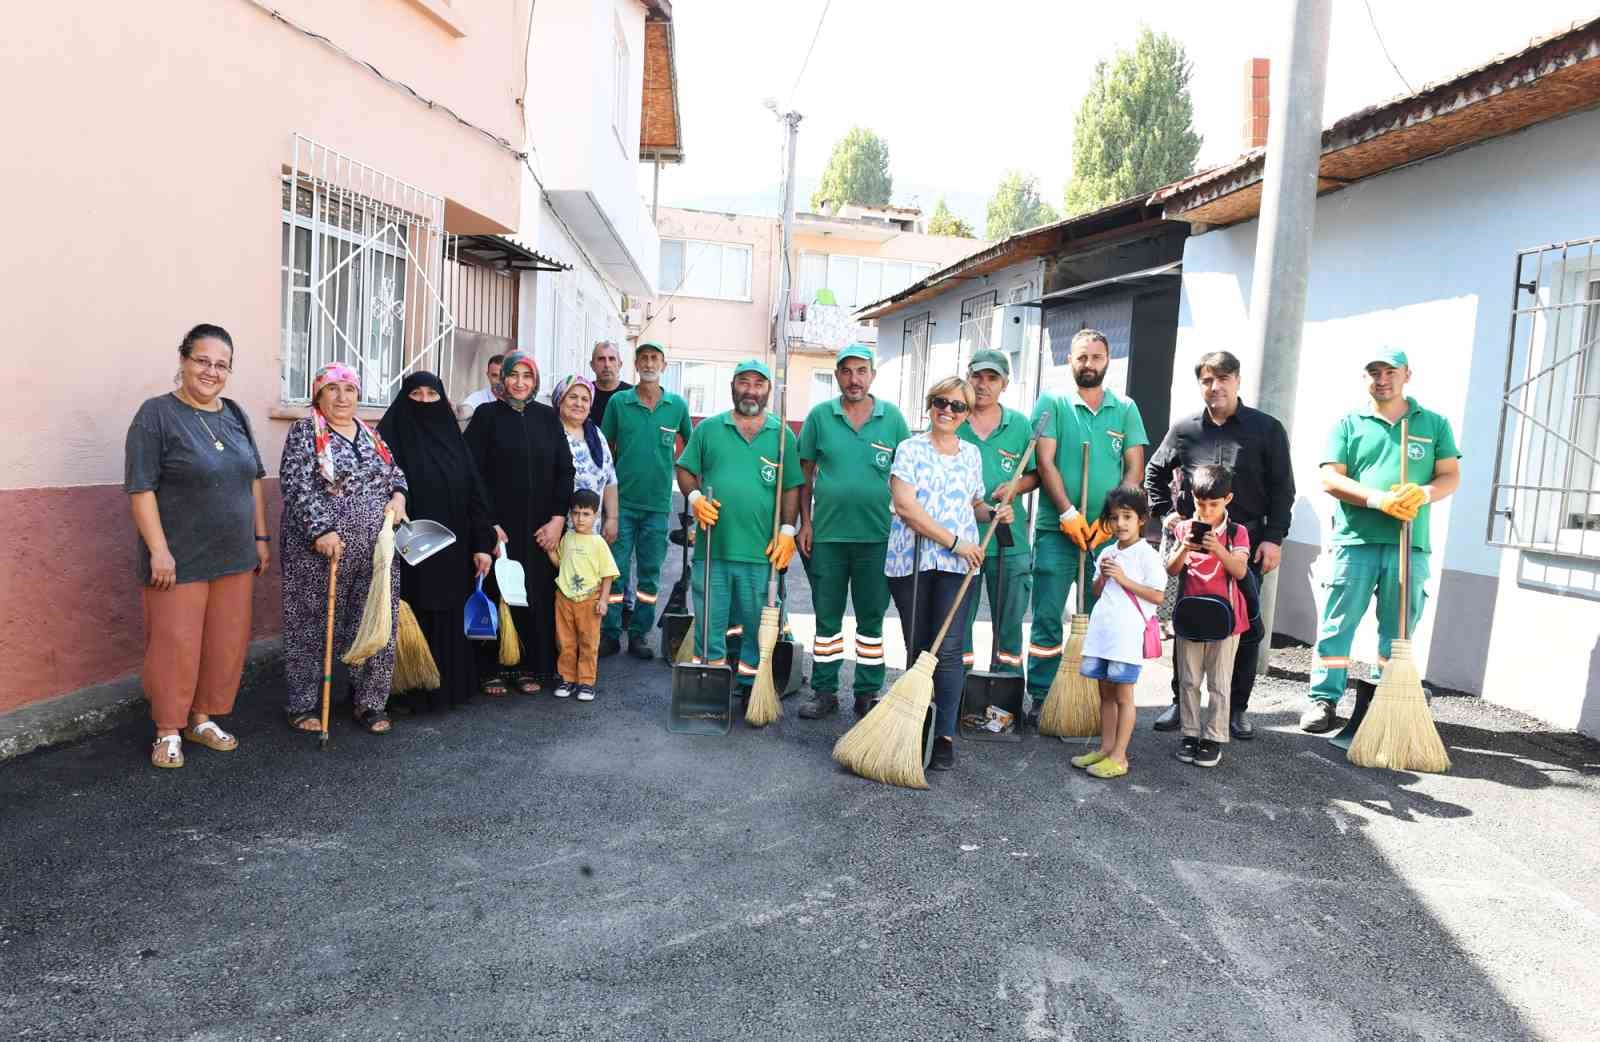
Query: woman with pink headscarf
{"type": "Point", "coordinates": [338, 479]}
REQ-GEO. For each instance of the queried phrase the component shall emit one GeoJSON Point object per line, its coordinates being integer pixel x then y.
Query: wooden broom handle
{"type": "Point", "coordinates": [1404, 630]}
{"type": "Point", "coordinates": [777, 501]}
{"type": "Point", "coordinates": [327, 648]}
{"type": "Point", "coordinates": [994, 522]}
{"type": "Point", "coordinates": [1083, 508]}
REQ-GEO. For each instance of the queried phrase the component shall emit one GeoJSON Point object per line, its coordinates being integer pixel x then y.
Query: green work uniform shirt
{"type": "Point", "coordinates": [643, 441]}
{"type": "Point", "coordinates": [743, 476]}
{"type": "Point", "coordinates": [1369, 447]}
{"type": "Point", "coordinates": [1002, 452]}
{"type": "Point", "coordinates": [851, 489]}
{"type": "Point", "coordinates": [1110, 431]}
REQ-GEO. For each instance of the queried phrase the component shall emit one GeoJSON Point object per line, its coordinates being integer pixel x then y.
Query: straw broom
{"type": "Point", "coordinates": [1072, 708]}
{"type": "Point", "coordinates": [886, 744]}
{"type": "Point", "coordinates": [765, 706]}
{"type": "Point", "coordinates": [414, 668]}
{"type": "Point", "coordinates": [377, 621]}
{"type": "Point", "coordinates": [510, 645]}
{"type": "Point", "coordinates": [1398, 731]}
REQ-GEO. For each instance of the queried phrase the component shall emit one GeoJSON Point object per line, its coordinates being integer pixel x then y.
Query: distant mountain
{"type": "Point", "coordinates": [973, 206]}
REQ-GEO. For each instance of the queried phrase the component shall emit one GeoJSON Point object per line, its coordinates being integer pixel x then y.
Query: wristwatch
{"type": "Point", "coordinates": [263, 539]}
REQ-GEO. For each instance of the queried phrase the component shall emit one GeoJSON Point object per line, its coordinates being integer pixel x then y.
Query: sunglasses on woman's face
{"type": "Point", "coordinates": [957, 406]}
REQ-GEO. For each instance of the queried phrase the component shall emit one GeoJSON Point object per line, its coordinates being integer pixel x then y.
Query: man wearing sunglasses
{"type": "Point", "coordinates": [1111, 426]}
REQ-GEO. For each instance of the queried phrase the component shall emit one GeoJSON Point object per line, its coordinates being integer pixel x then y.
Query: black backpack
{"type": "Point", "coordinates": [1206, 617]}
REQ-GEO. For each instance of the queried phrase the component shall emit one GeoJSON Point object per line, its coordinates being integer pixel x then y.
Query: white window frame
{"type": "Point", "coordinates": [718, 394]}
{"type": "Point", "coordinates": [684, 243]}
{"type": "Point", "coordinates": [917, 271]}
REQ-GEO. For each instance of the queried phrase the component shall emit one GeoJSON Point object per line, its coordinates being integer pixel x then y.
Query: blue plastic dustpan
{"type": "Point", "coordinates": [481, 620]}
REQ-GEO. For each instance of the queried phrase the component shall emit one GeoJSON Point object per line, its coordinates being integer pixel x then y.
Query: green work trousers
{"type": "Point", "coordinates": [738, 593]}
{"type": "Point", "coordinates": [1355, 573]}
{"type": "Point", "coordinates": [1055, 570]}
{"type": "Point", "coordinates": [1005, 618]}
{"type": "Point", "coordinates": [855, 570]}
{"type": "Point", "coordinates": [641, 534]}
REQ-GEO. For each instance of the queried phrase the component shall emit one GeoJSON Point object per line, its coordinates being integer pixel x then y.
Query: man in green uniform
{"type": "Point", "coordinates": [1114, 431]}
{"type": "Point", "coordinates": [1362, 471]}
{"type": "Point", "coordinates": [735, 454]}
{"type": "Point", "coordinates": [846, 448]}
{"type": "Point", "coordinates": [643, 425]}
{"type": "Point", "coordinates": [1001, 435]}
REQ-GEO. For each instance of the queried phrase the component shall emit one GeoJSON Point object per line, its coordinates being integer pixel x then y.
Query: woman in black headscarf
{"type": "Point", "coordinates": [420, 429]}
{"type": "Point", "coordinates": [522, 453]}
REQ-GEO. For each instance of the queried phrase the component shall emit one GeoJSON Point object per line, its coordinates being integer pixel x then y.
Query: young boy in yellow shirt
{"type": "Point", "coordinates": [583, 590]}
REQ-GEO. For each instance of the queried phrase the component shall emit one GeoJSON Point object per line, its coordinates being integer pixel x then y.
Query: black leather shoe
{"type": "Point", "coordinates": [1168, 720]}
{"type": "Point", "coordinates": [639, 648]}
{"type": "Point", "coordinates": [864, 704]}
{"type": "Point", "coordinates": [819, 705]}
{"type": "Point", "coordinates": [944, 755]}
{"type": "Point", "coordinates": [1240, 727]}
{"type": "Point", "coordinates": [609, 646]}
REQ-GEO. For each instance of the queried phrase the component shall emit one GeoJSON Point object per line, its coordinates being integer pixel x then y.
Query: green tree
{"type": "Point", "coordinates": [943, 222]}
{"type": "Point", "coordinates": [1135, 129]}
{"type": "Point", "coordinates": [858, 172]}
{"type": "Point", "coordinates": [1016, 206]}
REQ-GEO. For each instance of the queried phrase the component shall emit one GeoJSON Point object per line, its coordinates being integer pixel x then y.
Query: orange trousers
{"type": "Point", "coordinates": [578, 637]}
{"type": "Point", "coordinates": [196, 636]}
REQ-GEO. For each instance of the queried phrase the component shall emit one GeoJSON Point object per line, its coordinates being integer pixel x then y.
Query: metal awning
{"type": "Point", "coordinates": [503, 252]}
{"type": "Point", "coordinates": [1132, 278]}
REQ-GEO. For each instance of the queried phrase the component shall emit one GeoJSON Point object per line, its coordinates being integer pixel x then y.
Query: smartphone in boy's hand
{"type": "Point", "coordinates": [1197, 534]}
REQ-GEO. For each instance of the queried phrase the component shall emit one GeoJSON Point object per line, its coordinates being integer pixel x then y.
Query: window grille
{"type": "Point", "coordinates": [977, 314]}
{"type": "Point", "coordinates": [1546, 489]}
{"type": "Point", "coordinates": [914, 363]}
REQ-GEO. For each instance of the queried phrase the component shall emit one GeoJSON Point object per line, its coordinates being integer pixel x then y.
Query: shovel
{"type": "Point", "coordinates": [677, 621]}
{"type": "Point", "coordinates": [416, 541]}
{"type": "Point", "coordinates": [480, 620]}
{"type": "Point", "coordinates": [702, 694]}
{"type": "Point", "coordinates": [509, 576]}
{"type": "Point", "coordinates": [988, 688]}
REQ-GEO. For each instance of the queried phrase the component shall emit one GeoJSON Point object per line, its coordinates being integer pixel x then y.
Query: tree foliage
{"type": "Point", "coordinates": [1016, 206]}
{"type": "Point", "coordinates": [943, 222]}
{"type": "Point", "coordinates": [858, 172]}
{"type": "Point", "coordinates": [1135, 129]}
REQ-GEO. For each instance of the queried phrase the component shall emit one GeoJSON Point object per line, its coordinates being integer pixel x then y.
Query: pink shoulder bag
{"type": "Point", "coordinates": [1152, 627]}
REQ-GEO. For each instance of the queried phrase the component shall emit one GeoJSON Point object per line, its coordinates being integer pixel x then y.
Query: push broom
{"type": "Point", "coordinates": [765, 706]}
{"type": "Point", "coordinates": [1398, 731]}
{"type": "Point", "coordinates": [1072, 708]}
{"type": "Point", "coordinates": [886, 744]}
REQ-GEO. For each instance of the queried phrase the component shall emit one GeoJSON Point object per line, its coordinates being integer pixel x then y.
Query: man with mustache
{"type": "Point", "coordinates": [1361, 470]}
{"type": "Point", "coordinates": [736, 453]}
{"type": "Point", "coordinates": [643, 425]}
{"type": "Point", "coordinates": [846, 449]}
{"type": "Point", "coordinates": [1255, 447]}
{"type": "Point", "coordinates": [1114, 431]}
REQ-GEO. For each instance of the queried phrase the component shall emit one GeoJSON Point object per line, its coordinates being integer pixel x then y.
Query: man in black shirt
{"type": "Point", "coordinates": [1256, 447]}
{"type": "Point", "coordinates": [607, 366]}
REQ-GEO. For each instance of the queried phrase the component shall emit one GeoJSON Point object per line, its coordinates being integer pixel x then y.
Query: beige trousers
{"type": "Point", "coordinates": [1211, 660]}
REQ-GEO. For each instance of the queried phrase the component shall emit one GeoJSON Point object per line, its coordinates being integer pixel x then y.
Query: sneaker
{"type": "Point", "coordinates": [944, 755]}
{"type": "Point", "coordinates": [609, 646]}
{"type": "Point", "coordinates": [586, 692]}
{"type": "Point", "coordinates": [1319, 717]}
{"type": "Point", "coordinates": [1088, 760]}
{"type": "Point", "coordinates": [1168, 720]}
{"type": "Point", "coordinates": [639, 647]}
{"type": "Point", "coordinates": [1208, 754]}
{"type": "Point", "coordinates": [819, 705]}
{"type": "Point", "coordinates": [565, 690]}
{"type": "Point", "coordinates": [1187, 750]}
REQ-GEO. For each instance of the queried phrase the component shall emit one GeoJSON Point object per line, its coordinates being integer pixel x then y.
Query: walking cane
{"type": "Point", "coordinates": [327, 653]}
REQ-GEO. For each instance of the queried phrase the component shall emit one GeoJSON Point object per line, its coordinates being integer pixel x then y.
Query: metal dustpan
{"type": "Point", "coordinates": [702, 695]}
{"type": "Point", "coordinates": [480, 619]}
{"type": "Point", "coordinates": [512, 580]}
{"type": "Point", "coordinates": [677, 621]}
{"type": "Point", "coordinates": [985, 688]}
{"type": "Point", "coordinates": [416, 541]}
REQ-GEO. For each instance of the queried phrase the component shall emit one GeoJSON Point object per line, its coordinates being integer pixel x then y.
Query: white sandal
{"type": "Point", "coordinates": [167, 751]}
{"type": "Point", "coordinates": [211, 736]}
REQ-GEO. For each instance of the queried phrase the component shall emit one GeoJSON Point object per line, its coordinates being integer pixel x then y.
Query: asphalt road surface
{"type": "Point", "coordinates": [527, 869]}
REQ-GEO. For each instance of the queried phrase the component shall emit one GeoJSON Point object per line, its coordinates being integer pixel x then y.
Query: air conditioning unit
{"type": "Point", "coordinates": [1008, 325]}
{"type": "Point", "coordinates": [634, 319]}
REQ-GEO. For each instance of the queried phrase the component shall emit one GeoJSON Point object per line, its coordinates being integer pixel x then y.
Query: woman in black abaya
{"type": "Point", "coordinates": [420, 429]}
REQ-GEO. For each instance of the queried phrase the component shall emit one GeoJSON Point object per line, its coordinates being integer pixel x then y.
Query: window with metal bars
{"type": "Point", "coordinates": [914, 365]}
{"type": "Point", "coordinates": [1546, 488]}
{"type": "Point", "coordinates": [977, 313]}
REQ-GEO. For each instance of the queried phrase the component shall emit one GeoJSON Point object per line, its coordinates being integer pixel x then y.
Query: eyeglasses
{"type": "Point", "coordinates": [957, 406]}
{"type": "Point", "coordinates": [208, 366]}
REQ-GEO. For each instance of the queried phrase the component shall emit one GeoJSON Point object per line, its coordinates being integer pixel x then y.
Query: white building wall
{"type": "Point", "coordinates": [1422, 258]}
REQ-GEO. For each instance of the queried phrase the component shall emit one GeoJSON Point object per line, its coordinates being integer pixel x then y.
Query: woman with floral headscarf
{"type": "Point", "coordinates": [339, 482]}
{"type": "Point", "coordinates": [526, 466]}
{"type": "Point", "coordinates": [592, 464]}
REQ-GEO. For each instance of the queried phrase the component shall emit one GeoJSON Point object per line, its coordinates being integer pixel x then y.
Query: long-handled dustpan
{"type": "Point", "coordinates": [510, 577]}
{"type": "Point", "coordinates": [677, 621]}
{"type": "Point", "coordinates": [985, 688]}
{"type": "Point", "coordinates": [416, 541]}
{"type": "Point", "coordinates": [702, 694]}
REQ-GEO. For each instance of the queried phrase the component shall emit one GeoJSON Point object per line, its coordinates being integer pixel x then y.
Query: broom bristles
{"type": "Point", "coordinates": [685, 647]}
{"type": "Point", "coordinates": [765, 706]}
{"type": "Point", "coordinates": [510, 646]}
{"type": "Point", "coordinates": [886, 744]}
{"type": "Point", "coordinates": [1398, 731]}
{"type": "Point", "coordinates": [414, 668]}
{"type": "Point", "coordinates": [377, 618]}
{"type": "Point", "coordinates": [1072, 708]}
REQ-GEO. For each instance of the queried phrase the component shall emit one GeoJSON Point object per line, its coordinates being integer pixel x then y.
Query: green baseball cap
{"type": "Point", "coordinates": [861, 351]}
{"type": "Point", "coordinates": [1391, 356]}
{"type": "Point", "coordinates": [753, 365]}
{"type": "Point", "coordinates": [992, 360]}
{"type": "Point", "coordinates": [649, 345]}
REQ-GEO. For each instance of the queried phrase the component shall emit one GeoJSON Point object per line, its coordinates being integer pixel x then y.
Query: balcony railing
{"type": "Point", "coordinates": [827, 327]}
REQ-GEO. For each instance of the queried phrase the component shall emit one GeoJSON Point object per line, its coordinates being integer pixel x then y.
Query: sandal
{"type": "Point", "coordinates": [528, 684]}
{"type": "Point", "coordinates": [167, 751]}
{"type": "Point", "coordinates": [376, 721]}
{"type": "Point", "coordinates": [306, 723]}
{"type": "Point", "coordinates": [211, 736]}
{"type": "Point", "coordinates": [494, 688]}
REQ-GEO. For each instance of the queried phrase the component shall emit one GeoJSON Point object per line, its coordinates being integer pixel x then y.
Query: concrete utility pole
{"type": "Point", "coordinates": [780, 323]}
{"type": "Point", "coordinates": [1283, 242]}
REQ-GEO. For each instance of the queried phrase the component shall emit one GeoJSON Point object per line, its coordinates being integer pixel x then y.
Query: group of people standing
{"type": "Point", "coordinates": [579, 492]}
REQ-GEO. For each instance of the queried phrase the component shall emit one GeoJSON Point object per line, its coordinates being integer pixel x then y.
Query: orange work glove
{"type": "Point", "coordinates": [704, 508]}
{"type": "Point", "coordinates": [781, 549]}
{"type": "Point", "coordinates": [1100, 533]}
{"type": "Point", "coordinates": [1075, 528]}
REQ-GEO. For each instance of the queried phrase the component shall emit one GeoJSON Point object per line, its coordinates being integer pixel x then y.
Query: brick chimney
{"type": "Point", "coordinates": [1255, 102]}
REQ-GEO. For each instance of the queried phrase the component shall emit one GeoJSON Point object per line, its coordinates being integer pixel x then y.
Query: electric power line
{"type": "Point", "coordinates": [1384, 48]}
{"type": "Point", "coordinates": [820, 19]}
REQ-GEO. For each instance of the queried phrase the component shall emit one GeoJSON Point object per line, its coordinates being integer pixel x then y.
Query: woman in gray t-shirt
{"type": "Point", "coordinates": [193, 478]}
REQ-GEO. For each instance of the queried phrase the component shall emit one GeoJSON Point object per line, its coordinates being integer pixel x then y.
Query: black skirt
{"type": "Point", "coordinates": [455, 656]}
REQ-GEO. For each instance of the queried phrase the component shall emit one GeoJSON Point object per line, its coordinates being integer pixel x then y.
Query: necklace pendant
{"type": "Point", "coordinates": [218, 444]}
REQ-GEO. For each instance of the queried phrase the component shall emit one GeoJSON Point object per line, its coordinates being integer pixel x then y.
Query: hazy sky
{"type": "Point", "coordinates": [962, 92]}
